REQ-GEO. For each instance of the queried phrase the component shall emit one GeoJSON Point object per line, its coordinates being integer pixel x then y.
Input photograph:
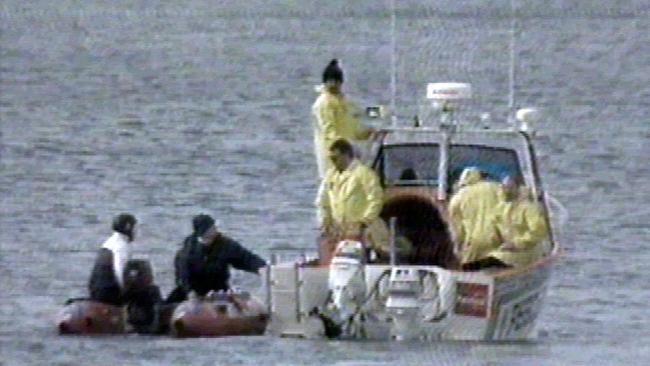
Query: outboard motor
{"type": "Point", "coordinates": [402, 305]}
{"type": "Point", "coordinates": [138, 274]}
{"type": "Point", "coordinates": [346, 276]}
{"type": "Point", "coordinates": [142, 296]}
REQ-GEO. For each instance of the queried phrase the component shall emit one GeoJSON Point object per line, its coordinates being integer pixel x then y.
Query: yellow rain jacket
{"type": "Point", "coordinates": [521, 223]}
{"type": "Point", "coordinates": [472, 213]}
{"type": "Point", "coordinates": [350, 198]}
{"type": "Point", "coordinates": [334, 118]}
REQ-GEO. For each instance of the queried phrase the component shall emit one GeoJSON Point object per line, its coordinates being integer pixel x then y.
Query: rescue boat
{"type": "Point", "coordinates": [426, 295]}
{"type": "Point", "coordinates": [218, 315]}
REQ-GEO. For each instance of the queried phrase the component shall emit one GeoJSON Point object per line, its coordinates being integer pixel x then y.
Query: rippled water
{"type": "Point", "coordinates": [170, 110]}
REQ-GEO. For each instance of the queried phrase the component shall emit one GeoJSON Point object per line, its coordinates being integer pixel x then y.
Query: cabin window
{"type": "Point", "coordinates": [495, 163]}
{"type": "Point", "coordinates": [417, 164]}
{"type": "Point", "coordinates": [410, 164]}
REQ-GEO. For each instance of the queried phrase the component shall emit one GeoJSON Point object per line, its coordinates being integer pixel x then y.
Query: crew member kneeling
{"type": "Point", "coordinates": [203, 263]}
{"type": "Point", "coordinates": [472, 211]}
{"type": "Point", "coordinates": [521, 225]}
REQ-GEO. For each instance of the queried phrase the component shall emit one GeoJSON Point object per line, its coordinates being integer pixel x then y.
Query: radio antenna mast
{"type": "Point", "coordinates": [513, 63]}
{"type": "Point", "coordinates": [393, 63]}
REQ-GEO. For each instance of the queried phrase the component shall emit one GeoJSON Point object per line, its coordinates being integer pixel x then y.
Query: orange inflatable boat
{"type": "Point", "coordinates": [219, 315]}
{"type": "Point", "coordinates": [91, 317]}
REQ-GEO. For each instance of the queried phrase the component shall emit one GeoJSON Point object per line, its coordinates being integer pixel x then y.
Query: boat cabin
{"type": "Point", "coordinates": [419, 169]}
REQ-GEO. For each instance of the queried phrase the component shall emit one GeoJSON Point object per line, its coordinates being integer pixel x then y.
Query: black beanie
{"type": "Point", "coordinates": [201, 223]}
{"type": "Point", "coordinates": [123, 223]}
{"type": "Point", "coordinates": [333, 72]}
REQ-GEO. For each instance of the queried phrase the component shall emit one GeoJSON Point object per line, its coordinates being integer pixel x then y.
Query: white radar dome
{"type": "Point", "coordinates": [528, 115]}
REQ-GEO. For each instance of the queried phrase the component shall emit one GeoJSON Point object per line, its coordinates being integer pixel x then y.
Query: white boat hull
{"type": "Point", "coordinates": [454, 305]}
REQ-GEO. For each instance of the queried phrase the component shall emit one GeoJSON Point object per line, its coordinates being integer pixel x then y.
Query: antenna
{"type": "Point", "coordinates": [513, 63]}
{"type": "Point", "coordinates": [393, 63]}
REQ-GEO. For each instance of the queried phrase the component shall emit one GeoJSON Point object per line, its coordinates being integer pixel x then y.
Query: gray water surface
{"type": "Point", "coordinates": [168, 110]}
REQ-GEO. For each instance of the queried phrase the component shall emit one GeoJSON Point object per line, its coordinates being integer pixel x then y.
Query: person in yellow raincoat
{"type": "Point", "coordinates": [349, 202]}
{"type": "Point", "coordinates": [522, 227]}
{"type": "Point", "coordinates": [472, 212]}
{"type": "Point", "coordinates": [334, 117]}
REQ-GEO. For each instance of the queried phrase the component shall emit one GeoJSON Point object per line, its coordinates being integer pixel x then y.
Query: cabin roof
{"type": "Point", "coordinates": [495, 138]}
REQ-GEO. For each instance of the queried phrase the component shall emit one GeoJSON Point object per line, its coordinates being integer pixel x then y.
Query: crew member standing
{"type": "Point", "coordinates": [335, 117]}
{"type": "Point", "coordinates": [349, 202]}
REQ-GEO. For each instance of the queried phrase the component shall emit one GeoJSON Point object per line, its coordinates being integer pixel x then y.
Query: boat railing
{"type": "Point", "coordinates": [289, 254]}
{"type": "Point", "coordinates": [558, 218]}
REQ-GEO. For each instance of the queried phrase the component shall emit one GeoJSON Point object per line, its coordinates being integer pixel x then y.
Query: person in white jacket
{"type": "Point", "coordinates": [107, 278]}
{"type": "Point", "coordinates": [118, 280]}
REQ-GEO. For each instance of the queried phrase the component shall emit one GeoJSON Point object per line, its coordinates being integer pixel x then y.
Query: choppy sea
{"type": "Point", "coordinates": [168, 109]}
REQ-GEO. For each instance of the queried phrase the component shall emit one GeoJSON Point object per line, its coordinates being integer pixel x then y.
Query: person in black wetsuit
{"type": "Point", "coordinates": [203, 263]}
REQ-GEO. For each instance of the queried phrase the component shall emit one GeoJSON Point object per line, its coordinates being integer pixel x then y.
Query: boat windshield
{"type": "Point", "coordinates": [416, 164]}
{"type": "Point", "coordinates": [495, 163]}
{"type": "Point", "coordinates": [410, 164]}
